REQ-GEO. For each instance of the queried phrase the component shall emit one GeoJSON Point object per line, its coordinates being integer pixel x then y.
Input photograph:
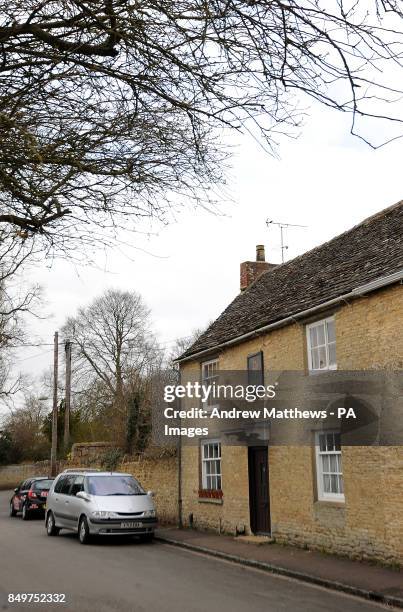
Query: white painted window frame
{"type": "Point", "coordinates": [204, 461]}
{"type": "Point", "coordinates": [326, 345]}
{"type": "Point", "coordinates": [204, 380]}
{"type": "Point", "coordinates": [322, 496]}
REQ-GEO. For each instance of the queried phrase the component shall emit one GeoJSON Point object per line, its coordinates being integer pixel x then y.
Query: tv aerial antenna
{"type": "Point", "coordinates": [282, 227]}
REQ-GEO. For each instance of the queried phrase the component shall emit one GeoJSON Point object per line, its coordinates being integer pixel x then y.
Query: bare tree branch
{"type": "Point", "coordinates": [111, 112]}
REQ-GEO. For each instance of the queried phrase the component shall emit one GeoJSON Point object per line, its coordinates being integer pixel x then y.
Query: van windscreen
{"type": "Point", "coordinates": [114, 485]}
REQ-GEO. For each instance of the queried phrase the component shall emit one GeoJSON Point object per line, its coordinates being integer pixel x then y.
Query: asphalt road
{"type": "Point", "coordinates": [129, 576]}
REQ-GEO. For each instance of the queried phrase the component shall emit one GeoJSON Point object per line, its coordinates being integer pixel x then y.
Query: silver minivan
{"type": "Point", "coordinates": [99, 503]}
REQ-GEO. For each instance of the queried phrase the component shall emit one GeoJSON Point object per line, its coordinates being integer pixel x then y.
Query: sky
{"type": "Point", "coordinates": [188, 271]}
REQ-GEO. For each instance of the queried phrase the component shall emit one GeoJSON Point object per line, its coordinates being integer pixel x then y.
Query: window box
{"type": "Point", "coordinates": [210, 493]}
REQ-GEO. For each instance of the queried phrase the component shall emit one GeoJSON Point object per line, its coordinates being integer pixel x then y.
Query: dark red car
{"type": "Point", "coordinates": [30, 497]}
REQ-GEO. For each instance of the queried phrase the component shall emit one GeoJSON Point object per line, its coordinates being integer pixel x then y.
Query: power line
{"type": "Point", "coordinates": [33, 345]}
{"type": "Point", "coordinates": [33, 356]}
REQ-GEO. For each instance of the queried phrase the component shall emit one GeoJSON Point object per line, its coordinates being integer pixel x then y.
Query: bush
{"type": "Point", "coordinates": [111, 459]}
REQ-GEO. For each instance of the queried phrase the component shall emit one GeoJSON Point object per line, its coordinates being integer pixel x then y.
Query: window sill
{"type": "Point", "coordinates": [330, 503]}
{"type": "Point", "coordinates": [319, 372]}
{"type": "Point", "coordinates": [210, 500]}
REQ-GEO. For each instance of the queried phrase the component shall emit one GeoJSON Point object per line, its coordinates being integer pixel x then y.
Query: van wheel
{"type": "Point", "coordinates": [51, 528]}
{"type": "Point", "coordinates": [26, 515]}
{"type": "Point", "coordinates": [13, 511]}
{"type": "Point", "coordinates": [83, 531]}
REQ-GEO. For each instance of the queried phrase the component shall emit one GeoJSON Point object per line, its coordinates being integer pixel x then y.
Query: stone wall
{"type": "Point", "coordinates": [159, 474]}
{"type": "Point", "coordinates": [88, 452]}
{"type": "Point", "coordinates": [12, 475]}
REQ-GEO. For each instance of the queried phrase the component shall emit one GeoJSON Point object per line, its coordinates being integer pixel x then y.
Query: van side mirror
{"type": "Point", "coordinates": [150, 493]}
{"type": "Point", "coordinates": [83, 495]}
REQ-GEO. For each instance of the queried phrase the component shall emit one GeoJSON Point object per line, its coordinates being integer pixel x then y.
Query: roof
{"type": "Point", "coordinates": [93, 472]}
{"type": "Point", "coordinates": [369, 251]}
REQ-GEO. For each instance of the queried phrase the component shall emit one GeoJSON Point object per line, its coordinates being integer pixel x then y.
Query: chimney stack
{"type": "Point", "coordinates": [260, 256]}
{"type": "Point", "coordinates": [251, 270]}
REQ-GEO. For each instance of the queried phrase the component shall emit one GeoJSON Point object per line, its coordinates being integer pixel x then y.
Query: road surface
{"type": "Point", "coordinates": [129, 576]}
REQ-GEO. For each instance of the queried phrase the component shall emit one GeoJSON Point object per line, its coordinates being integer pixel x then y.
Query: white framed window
{"type": "Point", "coordinates": [328, 466]}
{"type": "Point", "coordinates": [210, 378]}
{"type": "Point", "coordinates": [211, 464]}
{"type": "Point", "coordinates": [321, 342]}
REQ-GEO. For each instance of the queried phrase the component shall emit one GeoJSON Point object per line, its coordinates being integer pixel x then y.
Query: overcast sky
{"type": "Point", "coordinates": [188, 273]}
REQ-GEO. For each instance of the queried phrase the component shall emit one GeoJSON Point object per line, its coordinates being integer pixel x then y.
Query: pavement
{"type": "Point", "coordinates": [126, 575]}
{"type": "Point", "coordinates": [366, 580]}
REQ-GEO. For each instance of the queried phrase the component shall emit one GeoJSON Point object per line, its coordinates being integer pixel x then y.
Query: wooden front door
{"type": "Point", "coordinates": [259, 501]}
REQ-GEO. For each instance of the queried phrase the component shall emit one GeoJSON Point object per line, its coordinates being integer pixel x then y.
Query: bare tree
{"type": "Point", "coordinates": [112, 109]}
{"type": "Point", "coordinates": [111, 338]}
{"type": "Point", "coordinates": [182, 344]}
{"type": "Point", "coordinates": [113, 344]}
{"type": "Point", "coordinates": [17, 298]}
{"type": "Point", "coordinates": [25, 427]}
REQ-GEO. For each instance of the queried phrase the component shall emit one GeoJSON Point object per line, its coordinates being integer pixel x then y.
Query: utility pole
{"type": "Point", "coordinates": [66, 439]}
{"type": "Point", "coordinates": [53, 451]}
{"type": "Point", "coordinates": [282, 226]}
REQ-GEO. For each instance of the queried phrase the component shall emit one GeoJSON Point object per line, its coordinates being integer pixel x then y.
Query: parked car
{"type": "Point", "coordinates": [100, 503]}
{"type": "Point", "coordinates": [30, 497]}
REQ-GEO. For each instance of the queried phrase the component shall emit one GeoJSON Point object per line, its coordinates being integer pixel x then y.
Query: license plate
{"type": "Point", "coordinates": [44, 494]}
{"type": "Point", "coordinates": [130, 525]}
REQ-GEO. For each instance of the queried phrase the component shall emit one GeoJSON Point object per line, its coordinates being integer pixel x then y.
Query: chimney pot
{"type": "Point", "coordinates": [260, 254]}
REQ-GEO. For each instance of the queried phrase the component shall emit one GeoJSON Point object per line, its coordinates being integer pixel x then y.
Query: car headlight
{"type": "Point", "coordinates": [102, 514]}
{"type": "Point", "coordinates": [149, 513]}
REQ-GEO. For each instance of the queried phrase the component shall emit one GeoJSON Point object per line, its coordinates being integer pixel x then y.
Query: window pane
{"type": "Point", "coordinates": [333, 463]}
{"type": "Point", "coordinates": [341, 485]}
{"type": "Point", "coordinates": [334, 483]}
{"type": "Point", "coordinates": [331, 337]}
{"type": "Point", "coordinates": [326, 483]}
{"type": "Point", "coordinates": [322, 442]}
{"type": "Point", "coordinates": [330, 442]}
{"type": "Point", "coordinates": [332, 354]}
{"type": "Point", "coordinates": [321, 334]}
{"type": "Point", "coordinates": [315, 359]}
{"type": "Point", "coordinates": [313, 336]}
{"type": "Point", "coordinates": [337, 441]}
{"type": "Point", "coordinates": [325, 463]}
{"type": "Point", "coordinates": [219, 482]}
{"type": "Point", "coordinates": [322, 358]}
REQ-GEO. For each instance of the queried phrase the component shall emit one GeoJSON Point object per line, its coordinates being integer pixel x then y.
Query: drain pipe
{"type": "Point", "coordinates": [179, 450]}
